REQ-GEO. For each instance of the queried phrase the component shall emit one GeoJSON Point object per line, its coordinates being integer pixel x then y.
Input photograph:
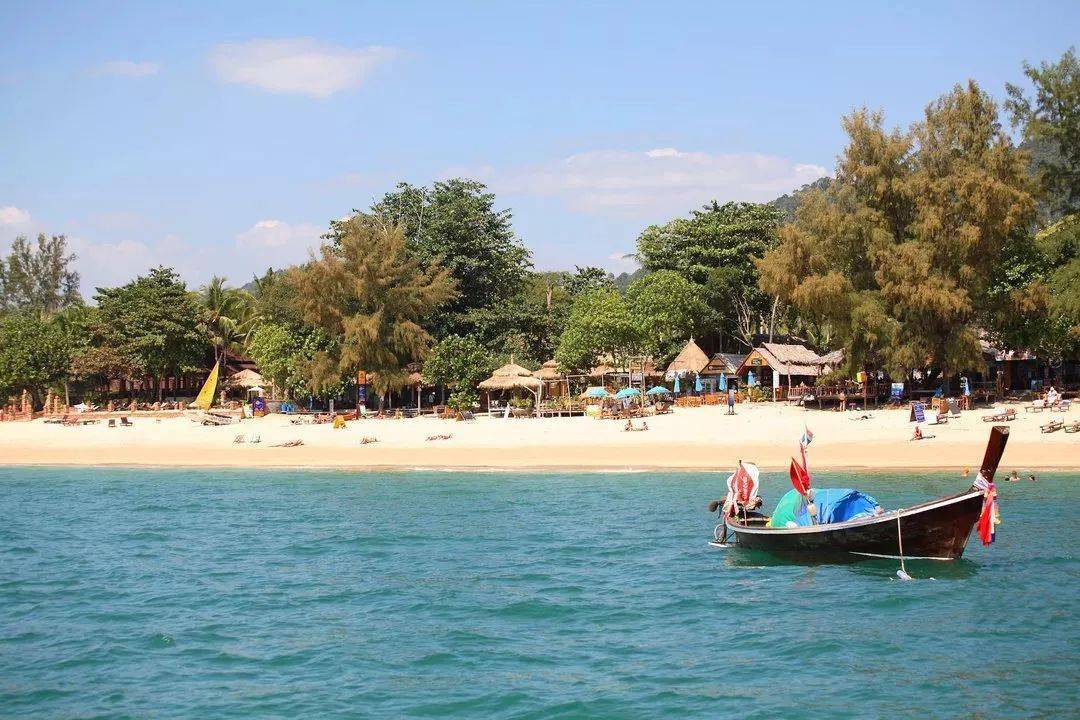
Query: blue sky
{"type": "Point", "coordinates": [222, 137]}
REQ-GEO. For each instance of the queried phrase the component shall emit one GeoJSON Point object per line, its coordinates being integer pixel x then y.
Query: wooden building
{"type": "Point", "coordinates": [786, 369]}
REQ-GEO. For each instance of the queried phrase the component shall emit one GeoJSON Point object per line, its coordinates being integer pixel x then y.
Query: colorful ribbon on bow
{"type": "Point", "coordinates": [990, 516]}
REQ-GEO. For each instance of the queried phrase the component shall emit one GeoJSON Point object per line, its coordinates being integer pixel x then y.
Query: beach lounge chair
{"type": "Point", "coordinates": [112, 422]}
{"type": "Point", "coordinates": [1003, 416]}
{"type": "Point", "coordinates": [1052, 426]}
{"type": "Point", "coordinates": [1035, 406]}
{"type": "Point", "coordinates": [466, 415]}
{"type": "Point", "coordinates": [1063, 405]}
{"type": "Point", "coordinates": [124, 422]}
{"type": "Point", "coordinates": [1072, 427]}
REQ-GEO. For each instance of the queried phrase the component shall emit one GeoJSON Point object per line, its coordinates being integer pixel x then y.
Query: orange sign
{"type": "Point", "coordinates": [361, 377]}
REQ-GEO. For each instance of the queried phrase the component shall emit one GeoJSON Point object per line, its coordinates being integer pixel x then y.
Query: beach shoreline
{"type": "Point", "coordinates": [690, 440]}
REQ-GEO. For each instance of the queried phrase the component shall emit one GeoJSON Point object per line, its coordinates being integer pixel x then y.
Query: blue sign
{"type": "Point", "coordinates": [897, 391]}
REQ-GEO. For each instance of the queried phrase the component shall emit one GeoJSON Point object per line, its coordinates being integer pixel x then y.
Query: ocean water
{"type": "Point", "coordinates": [138, 593]}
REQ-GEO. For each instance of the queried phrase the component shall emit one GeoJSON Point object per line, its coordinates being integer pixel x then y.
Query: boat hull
{"type": "Point", "coordinates": [936, 530]}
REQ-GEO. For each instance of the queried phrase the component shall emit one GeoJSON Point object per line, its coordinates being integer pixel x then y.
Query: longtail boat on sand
{"type": "Point", "coordinates": [813, 524]}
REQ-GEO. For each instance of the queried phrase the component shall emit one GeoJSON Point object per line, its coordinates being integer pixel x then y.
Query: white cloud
{"type": "Point", "coordinates": [128, 68]}
{"type": "Point", "coordinates": [277, 234]}
{"type": "Point", "coordinates": [13, 217]}
{"type": "Point", "coordinates": [656, 183]}
{"type": "Point", "coordinates": [297, 65]}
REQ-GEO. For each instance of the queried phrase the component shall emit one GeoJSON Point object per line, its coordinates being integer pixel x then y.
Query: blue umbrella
{"type": "Point", "coordinates": [677, 390]}
{"type": "Point", "coordinates": [723, 383]}
{"type": "Point", "coordinates": [658, 390]}
{"type": "Point", "coordinates": [596, 392]}
{"type": "Point", "coordinates": [626, 393]}
{"type": "Point", "coordinates": [751, 381]}
{"type": "Point", "coordinates": [697, 383]}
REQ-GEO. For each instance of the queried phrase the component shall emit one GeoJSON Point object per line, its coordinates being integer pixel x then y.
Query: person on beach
{"type": "Point", "coordinates": [730, 400]}
{"type": "Point", "coordinates": [843, 401]}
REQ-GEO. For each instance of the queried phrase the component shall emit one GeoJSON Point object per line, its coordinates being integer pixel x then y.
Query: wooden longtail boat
{"type": "Point", "coordinates": [934, 530]}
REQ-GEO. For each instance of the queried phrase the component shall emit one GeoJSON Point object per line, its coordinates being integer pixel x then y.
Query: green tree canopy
{"type": "Point", "coordinates": [1051, 123]}
{"type": "Point", "coordinates": [667, 308]}
{"type": "Point", "coordinates": [454, 224]}
{"type": "Point", "coordinates": [368, 293]}
{"type": "Point", "coordinates": [600, 324]}
{"type": "Point", "coordinates": [459, 362]}
{"type": "Point", "coordinates": [273, 347]}
{"type": "Point", "coordinates": [34, 355]}
{"type": "Point", "coordinates": [155, 323]}
{"type": "Point", "coordinates": [897, 254]}
{"type": "Point", "coordinates": [716, 248]}
{"type": "Point", "coordinates": [40, 279]}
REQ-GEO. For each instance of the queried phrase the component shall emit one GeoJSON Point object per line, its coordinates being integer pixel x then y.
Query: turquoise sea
{"type": "Point", "coordinates": [137, 593]}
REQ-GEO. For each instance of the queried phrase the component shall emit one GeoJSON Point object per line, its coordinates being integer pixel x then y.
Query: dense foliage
{"type": "Point", "coordinates": [372, 297]}
{"type": "Point", "coordinates": [39, 278]}
{"type": "Point", "coordinates": [897, 254]}
{"type": "Point", "coordinates": [154, 323]}
{"type": "Point", "coordinates": [925, 243]}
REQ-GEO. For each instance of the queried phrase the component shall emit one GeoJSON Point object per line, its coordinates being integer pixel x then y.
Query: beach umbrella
{"type": "Point", "coordinates": [627, 393]}
{"type": "Point", "coordinates": [677, 385]}
{"type": "Point", "coordinates": [723, 383]}
{"type": "Point", "coordinates": [697, 383]}
{"type": "Point", "coordinates": [596, 392]}
{"type": "Point", "coordinates": [658, 390]}
{"type": "Point", "coordinates": [751, 381]}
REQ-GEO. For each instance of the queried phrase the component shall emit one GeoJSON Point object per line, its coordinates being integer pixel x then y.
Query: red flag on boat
{"type": "Point", "coordinates": [800, 479]}
{"type": "Point", "coordinates": [743, 484]}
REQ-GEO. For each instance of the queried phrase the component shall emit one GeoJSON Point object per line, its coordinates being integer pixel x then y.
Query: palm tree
{"type": "Point", "coordinates": [230, 317]}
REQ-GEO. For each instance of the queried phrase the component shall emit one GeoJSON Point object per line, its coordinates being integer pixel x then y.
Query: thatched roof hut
{"type": "Point", "coordinates": [511, 376]}
{"type": "Point", "coordinates": [691, 359]}
{"type": "Point", "coordinates": [415, 378]}
{"type": "Point", "coordinates": [549, 371]}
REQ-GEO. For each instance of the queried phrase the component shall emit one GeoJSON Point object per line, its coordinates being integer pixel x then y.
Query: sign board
{"type": "Point", "coordinates": [918, 413]}
{"type": "Point", "coordinates": [755, 361]}
{"type": "Point", "coordinates": [361, 377]}
{"type": "Point", "coordinates": [897, 391]}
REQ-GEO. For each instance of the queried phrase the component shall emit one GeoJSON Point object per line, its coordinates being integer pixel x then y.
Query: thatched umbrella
{"type": "Point", "coordinates": [553, 379]}
{"type": "Point", "coordinates": [246, 379]}
{"type": "Point", "coordinates": [549, 371]}
{"type": "Point", "coordinates": [512, 377]}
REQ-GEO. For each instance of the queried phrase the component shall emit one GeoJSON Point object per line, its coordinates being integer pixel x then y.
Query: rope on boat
{"type": "Point", "coordinates": [902, 572]}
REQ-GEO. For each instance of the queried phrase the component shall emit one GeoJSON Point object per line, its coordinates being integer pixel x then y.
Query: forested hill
{"type": "Point", "coordinates": [790, 202]}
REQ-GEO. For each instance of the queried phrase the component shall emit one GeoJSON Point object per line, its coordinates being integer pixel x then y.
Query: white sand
{"type": "Point", "coordinates": [704, 438]}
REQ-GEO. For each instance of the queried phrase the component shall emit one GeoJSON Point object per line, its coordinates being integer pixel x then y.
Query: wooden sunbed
{"type": "Point", "coordinates": [1004, 416]}
{"type": "Point", "coordinates": [1072, 427]}
{"type": "Point", "coordinates": [1052, 426]}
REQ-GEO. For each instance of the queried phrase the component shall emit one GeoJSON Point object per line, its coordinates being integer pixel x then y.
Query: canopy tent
{"type": "Point", "coordinates": [512, 376]}
{"type": "Point", "coordinates": [834, 505]}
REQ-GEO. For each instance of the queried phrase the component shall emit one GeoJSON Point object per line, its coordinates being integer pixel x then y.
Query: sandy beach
{"type": "Point", "coordinates": [691, 438]}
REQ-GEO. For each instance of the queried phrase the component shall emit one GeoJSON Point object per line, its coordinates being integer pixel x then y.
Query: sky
{"type": "Point", "coordinates": [221, 138]}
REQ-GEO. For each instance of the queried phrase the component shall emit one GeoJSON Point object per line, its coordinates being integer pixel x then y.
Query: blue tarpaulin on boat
{"type": "Point", "coordinates": [838, 505]}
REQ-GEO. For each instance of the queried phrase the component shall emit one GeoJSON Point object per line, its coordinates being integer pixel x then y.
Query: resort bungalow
{"type": "Point", "coordinates": [722, 365]}
{"type": "Point", "coordinates": [785, 369]}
